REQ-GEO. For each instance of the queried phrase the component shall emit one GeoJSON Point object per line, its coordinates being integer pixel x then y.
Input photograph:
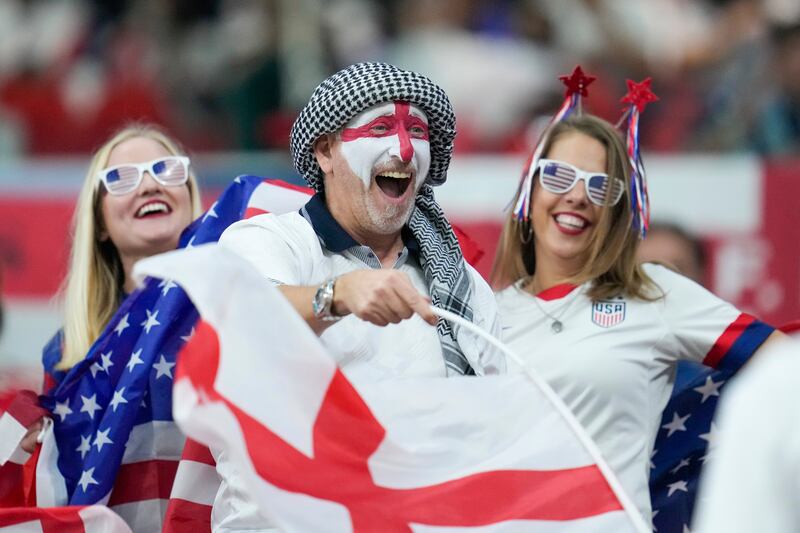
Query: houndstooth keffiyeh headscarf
{"type": "Point", "coordinates": [361, 86]}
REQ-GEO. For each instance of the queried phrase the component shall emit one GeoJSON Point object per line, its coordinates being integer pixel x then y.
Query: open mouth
{"type": "Point", "coordinates": [393, 184]}
{"type": "Point", "coordinates": [152, 209]}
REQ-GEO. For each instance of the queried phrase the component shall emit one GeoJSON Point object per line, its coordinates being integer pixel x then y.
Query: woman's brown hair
{"type": "Point", "coordinates": [611, 262]}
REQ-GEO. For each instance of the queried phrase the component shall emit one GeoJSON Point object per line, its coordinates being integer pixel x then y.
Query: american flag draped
{"type": "Point", "coordinates": [686, 434]}
{"type": "Point", "coordinates": [116, 441]}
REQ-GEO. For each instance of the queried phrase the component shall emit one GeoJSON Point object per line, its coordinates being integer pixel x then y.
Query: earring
{"type": "Point", "coordinates": [525, 236]}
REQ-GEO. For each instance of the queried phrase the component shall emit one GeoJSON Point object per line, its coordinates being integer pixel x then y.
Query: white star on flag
{"type": "Point", "coordinates": [188, 335]}
{"type": "Point", "coordinates": [87, 479]}
{"type": "Point", "coordinates": [95, 368]}
{"type": "Point", "coordinates": [683, 463]}
{"type": "Point", "coordinates": [86, 445]}
{"type": "Point", "coordinates": [165, 285]}
{"type": "Point", "coordinates": [709, 388]}
{"type": "Point", "coordinates": [653, 454]}
{"type": "Point", "coordinates": [151, 321]}
{"type": "Point", "coordinates": [190, 244]}
{"type": "Point", "coordinates": [211, 212]}
{"type": "Point", "coordinates": [122, 324]}
{"type": "Point", "coordinates": [653, 519]}
{"type": "Point", "coordinates": [62, 410]}
{"type": "Point", "coordinates": [711, 436]}
{"type": "Point", "coordinates": [163, 368]}
{"type": "Point", "coordinates": [89, 405]}
{"type": "Point", "coordinates": [674, 487]}
{"type": "Point", "coordinates": [118, 399]}
{"type": "Point", "coordinates": [102, 439]}
{"type": "Point", "coordinates": [107, 363]}
{"type": "Point", "coordinates": [677, 424]}
{"type": "Point", "coordinates": [135, 360]}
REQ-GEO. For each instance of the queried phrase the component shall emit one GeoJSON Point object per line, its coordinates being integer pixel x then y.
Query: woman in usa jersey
{"type": "Point", "coordinates": [603, 331]}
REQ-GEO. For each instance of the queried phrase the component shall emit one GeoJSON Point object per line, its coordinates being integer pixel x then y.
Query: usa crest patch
{"type": "Point", "coordinates": [608, 313]}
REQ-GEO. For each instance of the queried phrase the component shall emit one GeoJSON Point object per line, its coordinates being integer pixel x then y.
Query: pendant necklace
{"type": "Point", "coordinates": [556, 326]}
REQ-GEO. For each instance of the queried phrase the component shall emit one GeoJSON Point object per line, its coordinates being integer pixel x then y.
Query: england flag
{"type": "Point", "coordinates": [319, 452]}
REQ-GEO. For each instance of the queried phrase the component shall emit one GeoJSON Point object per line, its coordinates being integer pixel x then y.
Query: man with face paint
{"type": "Point", "coordinates": [364, 259]}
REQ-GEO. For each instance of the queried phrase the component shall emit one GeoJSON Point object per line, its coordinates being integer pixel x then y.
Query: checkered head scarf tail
{"type": "Point", "coordinates": [361, 86]}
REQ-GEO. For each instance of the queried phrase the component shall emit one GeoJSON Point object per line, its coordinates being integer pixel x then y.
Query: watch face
{"type": "Point", "coordinates": [318, 303]}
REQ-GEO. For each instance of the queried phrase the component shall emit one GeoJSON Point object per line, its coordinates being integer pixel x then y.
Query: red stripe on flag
{"type": "Point", "coordinates": [145, 480]}
{"type": "Point", "coordinates": [726, 340]}
{"type": "Point", "coordinates": [25, 408]}
{"type": "Point", "coordinates": [53, 519]}
{"type": "Point", "coordinates": [12, 492]}
{"type": "Point", "coordinates": [250, 212]}
{"type": "Point", "coordinates": [346, 434]}
{"type": "Point", "coordinates": [199, 453]}
{"type": "Point", "coordinates": [187, 517]}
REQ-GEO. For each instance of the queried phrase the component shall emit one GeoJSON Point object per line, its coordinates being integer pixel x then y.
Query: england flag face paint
{"type": "Point", "coordinates": [390, 143]}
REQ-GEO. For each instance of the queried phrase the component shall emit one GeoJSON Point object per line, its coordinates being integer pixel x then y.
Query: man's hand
{"type": "Point", "coordinates": [29, 440]}
{"type": "Point", "coordinates": [380, 296]}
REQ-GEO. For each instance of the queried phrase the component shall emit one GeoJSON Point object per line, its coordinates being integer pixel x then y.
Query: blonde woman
{"type": "Point", "coordinates": [138, 196]}
{"type": "Point", "coordinates": [605, 332]}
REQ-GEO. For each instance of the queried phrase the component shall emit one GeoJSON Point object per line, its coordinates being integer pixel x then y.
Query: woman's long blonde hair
{"type": "Point", "coordinates": [611, 262]}
{"type": "Point", "coordinates": [93, 287]}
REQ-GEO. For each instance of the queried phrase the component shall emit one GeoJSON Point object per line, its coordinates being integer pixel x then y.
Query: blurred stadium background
{"type": "Point", "coordinates": [227, 77]}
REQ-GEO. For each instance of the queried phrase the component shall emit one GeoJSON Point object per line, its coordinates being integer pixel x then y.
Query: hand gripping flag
{"type": "Point", "coordinates": [319, 453]}
{"type": "Point", "coordinates": [113, 440]}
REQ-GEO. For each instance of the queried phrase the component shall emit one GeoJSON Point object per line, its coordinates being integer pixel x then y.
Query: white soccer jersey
{"type": "Point", "coordinates": [613, 361]}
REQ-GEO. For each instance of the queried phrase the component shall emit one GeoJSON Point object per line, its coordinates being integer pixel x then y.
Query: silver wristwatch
{"type": "Point", "coordinates": [322, 304]}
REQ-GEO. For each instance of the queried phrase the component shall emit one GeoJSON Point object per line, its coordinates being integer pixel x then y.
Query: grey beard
{"type": "Point", "coordinates": [390, 220]}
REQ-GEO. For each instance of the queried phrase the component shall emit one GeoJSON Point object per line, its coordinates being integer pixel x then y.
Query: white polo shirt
{"type": "Point", "coordinates": [613, 363]}
{"type": "Point", "coordinates": [309, 247]}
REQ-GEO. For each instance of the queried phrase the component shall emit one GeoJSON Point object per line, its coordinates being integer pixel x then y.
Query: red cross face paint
{"type": "Point", "coordinates": [389, 142]}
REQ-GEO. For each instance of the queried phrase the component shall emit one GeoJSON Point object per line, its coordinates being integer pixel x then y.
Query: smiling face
{"type": "Point", "coordinates": [150, 219]}
{"type": "Point", "coordinates": [375, 168]}
{"type": "Point", "coordinates": [563, 224]}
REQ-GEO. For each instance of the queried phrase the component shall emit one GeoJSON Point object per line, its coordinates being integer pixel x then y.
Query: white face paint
{"type": "Point", "coordinates": [388, 137]}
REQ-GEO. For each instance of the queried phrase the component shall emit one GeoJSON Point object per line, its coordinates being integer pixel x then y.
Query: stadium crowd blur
{"type": "Point", "coordinates": [231, 74]}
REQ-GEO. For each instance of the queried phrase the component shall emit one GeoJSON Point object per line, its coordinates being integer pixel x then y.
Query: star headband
{"type": "Point", "coordinates": [638, 96]}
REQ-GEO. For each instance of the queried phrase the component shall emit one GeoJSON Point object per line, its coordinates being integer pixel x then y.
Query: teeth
{"type": "Point", "coordinates": [156, 207]}
{"type": "Point", "coordinates": [571, 221]}
{"type": "Point", "coordinates": [396, 175]}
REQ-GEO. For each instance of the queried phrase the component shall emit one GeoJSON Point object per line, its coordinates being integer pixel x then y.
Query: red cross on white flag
{"type": "Point", "coordinates": [319, 453]}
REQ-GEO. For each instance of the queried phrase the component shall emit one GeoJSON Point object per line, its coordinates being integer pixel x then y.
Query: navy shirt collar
{"type": "Point", "coordinates": [333, 235]}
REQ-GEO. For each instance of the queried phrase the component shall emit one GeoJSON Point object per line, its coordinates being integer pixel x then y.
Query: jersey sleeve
{"type": "Point", "coordinates": [278, 249]}
{"type": "Point", "coordinates": [703, 327]}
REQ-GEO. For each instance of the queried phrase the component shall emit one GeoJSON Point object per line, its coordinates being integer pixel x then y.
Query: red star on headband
{"type": "Point", "coordinates": [639, 94]}
{"type": "Point", "coordinates": [577, 82]}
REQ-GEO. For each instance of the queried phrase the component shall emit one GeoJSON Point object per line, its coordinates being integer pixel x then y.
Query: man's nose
{"type": "Point", "coordinates": [406, 149]}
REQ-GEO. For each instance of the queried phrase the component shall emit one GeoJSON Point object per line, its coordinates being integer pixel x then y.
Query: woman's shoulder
{"type": "Point", "coordinates": [667, 278]}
